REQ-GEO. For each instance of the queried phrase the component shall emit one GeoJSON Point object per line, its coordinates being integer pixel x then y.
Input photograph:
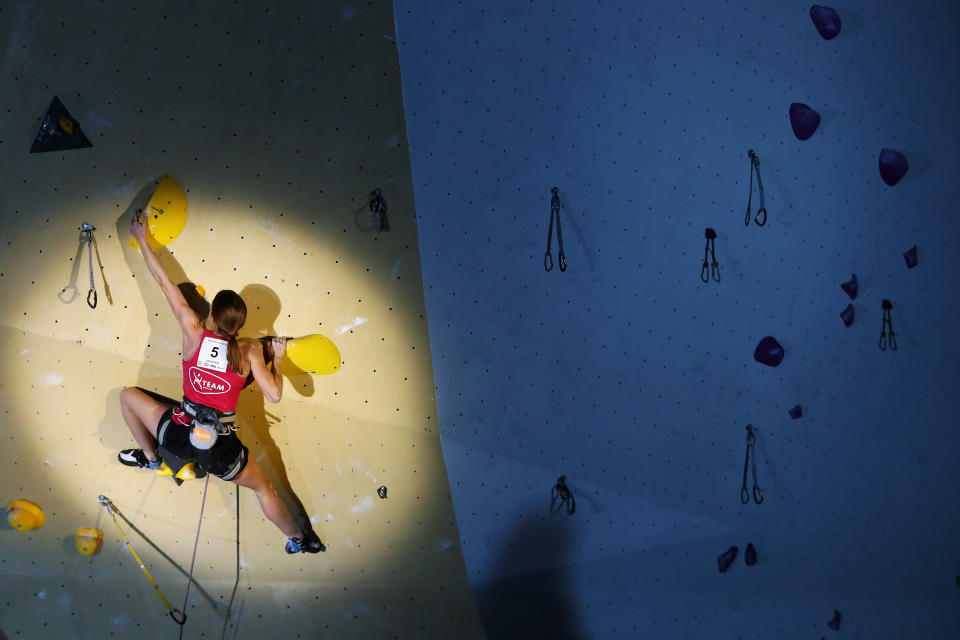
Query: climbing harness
{"type": "Point", "coordinates": [208, 424]}
{"type": "Point", "coordinates": [887, 337]}
{"type": "Point", "coordinates": [554, 211]}
{"type": "Point", "coordinates": [177, 615]}
{"type": "Point", "coordinates": [710, 267]}
{"type": "Point", "coordinates": [562, 493]}
{"type": "Point", "coordinates": [88, 229]}
{"type": "Point", "coordinates": [378, 211]}
{"type": "Point", "coordinates": [762, 211]}
{"type": "Point", "coordinates": [757, 491]}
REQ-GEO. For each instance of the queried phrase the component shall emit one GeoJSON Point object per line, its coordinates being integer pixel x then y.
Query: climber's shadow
{"type": "Point", "coordinates": [263, 308]}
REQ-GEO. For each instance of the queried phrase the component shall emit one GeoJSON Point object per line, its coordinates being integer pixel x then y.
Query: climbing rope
{"type": "Point", "coordinates": [174, 613]}
{"type": "Point", "coordinates": [196, 541]}
{"type": "Point", "coordinates": [177, 615]}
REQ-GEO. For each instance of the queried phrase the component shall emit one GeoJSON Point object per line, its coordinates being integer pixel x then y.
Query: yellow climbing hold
{"type": "Point", "coordinates": [166, 214]}
{"type": "Point", "coordinates": [315, 354]}
{"type": "Point", "coordinates": [24, 515]}
{"type": "Point", "coordinates": [87, 541]}
{"type": "Point", "coordinates": [67, 125]}
{"type": "Point", "coordinates": [186, 472]}
{"type": "Point", "coordinates": [200, 291]}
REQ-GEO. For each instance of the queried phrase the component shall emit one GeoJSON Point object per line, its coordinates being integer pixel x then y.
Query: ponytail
{"type": "Point", "coordinates": [229, 313]}
{"type": "Point", "coordinates": [234, 355]}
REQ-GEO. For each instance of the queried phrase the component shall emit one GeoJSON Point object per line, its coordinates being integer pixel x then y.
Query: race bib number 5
{"type": "Point", "coordinates": [213, 354]}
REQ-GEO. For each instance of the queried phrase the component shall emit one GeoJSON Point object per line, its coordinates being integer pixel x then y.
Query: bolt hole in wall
{"type": "Point", "coordinates": [264, 148]}
{"type": "Point", "coordinates": [812, 148]}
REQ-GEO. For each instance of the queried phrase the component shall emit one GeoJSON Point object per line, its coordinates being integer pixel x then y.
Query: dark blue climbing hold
{"type": "Point", "coordinates": [893, 166]}
{"type": "Point", "coordinates": [835, 623]}
{"type": "Point", "coordinates": [804, 120]}
{"type": "Point", "coordinates": [750, 555]}
{"type": "Point", "coordinates": [59, 131]}
{"type": "Point", "coordinates": [852, 287]}
{"type": "Point", "coordinates": [826, 21]}
{"type": "Point", "coordinates": [796, 412]}
{"type": "Point", "coordinates": [847, 315]}
{"type": "Point", "coordinates": [768, 352]}
{"type": "Point", "coordinates": [911, 257]}
{"type": "Point", "coordinates": [725, 559]}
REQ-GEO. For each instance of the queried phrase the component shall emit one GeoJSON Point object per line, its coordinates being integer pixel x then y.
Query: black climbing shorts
{"type": "Point", "coordinates": [226, 459]}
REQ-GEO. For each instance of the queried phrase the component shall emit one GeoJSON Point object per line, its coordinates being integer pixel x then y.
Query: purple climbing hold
{"type": "Point", "coordinates": [893, 166]}
{"type": "Point", "coordinates": [852, 287]}
{"type": "Point", "coordinates": [835, 623]}
{"type": "Point", "coordinates": [847, 315]}
{"type": "Point", "coordinates": [911, 257]}
{"type": "Point", "coordinates": [768, 352]}
{"type": "Point", "coordinates": [750, 555]}
{"type": "Point", "coordinates": [826, 21]}
{"type": "Point", "coordinates": [796, 412]}
{"type": "Point", "coordinates": [804, 120]}
{"type": "Point", "coordinates": [725, 559]}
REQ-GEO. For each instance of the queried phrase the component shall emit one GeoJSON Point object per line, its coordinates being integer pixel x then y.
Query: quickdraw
{"type": "Point", "coordinates": [710, 268]}
{"type": "Point", "coordinates": [762, 211]}
{"type": "Point", "coordinates": [177, 615]}
{"type": "Point", "coordinates": [887, 337]}
{"type": "Point", "coordinates": [562, 493]}
{"type": "Point", "coordinates": [757, 491]}
{"type": "Point", "coordinates": [378, 211]}
{"type": "Point", "coordinates": [86, 233]}
{"type": "Point", "coordinates": [554, 213]}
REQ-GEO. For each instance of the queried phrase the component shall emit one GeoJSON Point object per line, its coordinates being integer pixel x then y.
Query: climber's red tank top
{"type": "Point", "coordinates": [208, 378]}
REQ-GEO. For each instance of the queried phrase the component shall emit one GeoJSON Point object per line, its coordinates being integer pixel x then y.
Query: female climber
{"type": "Point", "coordinates": [215, 367]}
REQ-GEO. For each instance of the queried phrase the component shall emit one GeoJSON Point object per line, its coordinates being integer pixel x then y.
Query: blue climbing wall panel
{"type": "Point", "coordinates": [632, 377]}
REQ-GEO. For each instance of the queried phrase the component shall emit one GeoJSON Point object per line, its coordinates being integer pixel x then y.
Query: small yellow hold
{"type": "Point", "coordinates": [201, 291]}
{"type": "Point", "coordinates": [187, 472]}
{"type": "Point", "coordinates": [87, 541]}
{"type": "Point", "coordinates": [24, 515]}
{"type": "Point", "coordinates": [67, 125]}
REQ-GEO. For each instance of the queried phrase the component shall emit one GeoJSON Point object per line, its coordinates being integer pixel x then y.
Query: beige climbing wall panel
{"type": "Point", "coordinates": [278, 121]}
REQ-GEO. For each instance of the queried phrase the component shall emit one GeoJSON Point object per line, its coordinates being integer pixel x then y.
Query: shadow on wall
{"type": "Point", "coordinates": [263, 308]}
{"type": "Point", "coordinates": [538, 603]}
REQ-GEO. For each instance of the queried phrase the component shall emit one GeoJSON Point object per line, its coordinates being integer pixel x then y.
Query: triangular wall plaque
{"type": "Point", "coordinates": [59, 131]}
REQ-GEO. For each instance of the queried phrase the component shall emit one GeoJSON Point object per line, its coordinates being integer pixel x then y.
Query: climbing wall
{"type": "Point", "coordinates": [278, 120]}
{"type": "Point", "coordinates": [632, 377]}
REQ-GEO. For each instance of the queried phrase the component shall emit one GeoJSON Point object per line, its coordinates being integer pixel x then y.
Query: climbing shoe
{"type": "Point", "coordinates": [136, 458]}
{"type": "Point", "coordinates": [309, 543]}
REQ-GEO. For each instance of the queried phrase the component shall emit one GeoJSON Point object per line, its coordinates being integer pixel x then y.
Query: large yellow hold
{"type": "Point", "coordinates": [166, 214]}
{"type": "Point", "coordinates": [314, 354]}
{"type": "Point", "coordinates": [24, 515]}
